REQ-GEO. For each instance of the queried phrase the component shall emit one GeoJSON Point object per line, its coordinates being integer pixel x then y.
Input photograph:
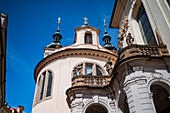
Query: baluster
{"type": "Point", "coordinates": [104, 82]}
{"type": "Point", "coordinates": [94, 81]}
{"type": "Point", "coordinates": [101, 81]}
{"type": "Point", "coordinates": [88, 81]}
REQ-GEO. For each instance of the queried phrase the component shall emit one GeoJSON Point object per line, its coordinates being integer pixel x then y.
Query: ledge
{"type": "Point", "coordinates": [142, 50]}
{"type": "Point", "coordinates": [90, 80]}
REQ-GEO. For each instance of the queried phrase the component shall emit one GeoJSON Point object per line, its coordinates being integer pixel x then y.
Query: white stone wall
{"type": "Point", "coordinates": [83, 101]}
{"type": "Point", "coordinates": [158, 13]}
{"type": "Point", "coordinates": [137, 88]}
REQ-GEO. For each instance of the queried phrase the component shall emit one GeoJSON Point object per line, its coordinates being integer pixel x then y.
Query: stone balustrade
{"type": "Point", "coordinates": [90, 80]}
{"type": "Point", "coordinates": [134, 50]}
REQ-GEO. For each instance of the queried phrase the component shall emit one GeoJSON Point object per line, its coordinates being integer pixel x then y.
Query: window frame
{"type": "Point", "coordinates": [143, 22]}
{"type": "Point", "coordinates": [39, 86]}
{"type": "Point", "coordinates": [88, 38]}
{"type": "Point", "coordinates": [94, 69]}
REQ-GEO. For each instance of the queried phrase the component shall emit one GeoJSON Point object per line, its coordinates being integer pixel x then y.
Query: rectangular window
{"type": "Point", "coordinates": [89, 69]}
{"type": "Point", "coordinates": [50, 77]}
{"type": "Point", "coordinates": [88, 38]}
{"type": "Point", "coordinates": [145, 27]}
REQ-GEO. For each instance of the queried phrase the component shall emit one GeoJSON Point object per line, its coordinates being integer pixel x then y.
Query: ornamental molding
{"type": "Point", "coordinates": [77, 104]}
{"type": "Point", "coordinates": [138, 80]}
{"type": "Point", "coordinates": [138, 68]}
{"type": "Point", "coordinates": [158, 76]}
{"type": "Point", "coordinates": [61, 54]}
{"type": "Point", "coordinates": [113, 105]}
{"type": "Point", "coordinates": [122, 31]}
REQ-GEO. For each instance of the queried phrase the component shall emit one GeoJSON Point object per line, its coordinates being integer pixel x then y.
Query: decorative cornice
{"type": "Point", "coordinates": [73, 52]}
{"type": "Point", "coordinates": [86, 26]}
{"type": "Point", "coordinates": [73, 91]}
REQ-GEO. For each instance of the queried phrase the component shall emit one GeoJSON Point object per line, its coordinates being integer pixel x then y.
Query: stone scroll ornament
{"type": "Point", "coordinates": [122, 31]}
{"type": "Point", "coordinates": [109, 66]}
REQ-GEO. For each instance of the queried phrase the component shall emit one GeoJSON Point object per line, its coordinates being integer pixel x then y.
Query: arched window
{"type": "Point", "coordinates": [88, 69]}
{"type": "Point", "coordinates": [38, 89]}
{"type": "Point", "coordinates": [98, 71]}
{"type": "Point", "coordinates": [44, 87]}
{"type": "Point", "coordinates": [49, 86]}
{"type": "Point", "coordinates": [96, 108]}
{"type": "Point", "coordinates": [161, 98]}
{"type": "Point", "coordinates": [88, 38]}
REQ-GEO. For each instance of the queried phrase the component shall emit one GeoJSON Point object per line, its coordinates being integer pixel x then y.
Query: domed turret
{"type": "Point", "coordinates": [57, 37]}
{"type": "Point", "coordinates": [106, 38]}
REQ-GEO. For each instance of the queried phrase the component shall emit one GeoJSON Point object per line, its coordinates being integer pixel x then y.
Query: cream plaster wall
{"type": "Point", "coordinates": [62, 70]}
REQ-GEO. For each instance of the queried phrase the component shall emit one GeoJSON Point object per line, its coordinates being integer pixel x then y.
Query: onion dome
{"type": "Point", "coordinates": [57, 37]}
{"type": "Point", "coordinates": [106, 38]}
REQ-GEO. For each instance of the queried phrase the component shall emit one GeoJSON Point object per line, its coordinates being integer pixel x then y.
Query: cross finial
{"type": "Point", "coordinates": [104, 22]}
{"type": "Point", "coordinates": [59, 20]}
{"type": "Point", "coordinates": [58, 23]}
{"type": "Point", "coordinates": [85, 20]}
{"type": "Point", "coordinates": [105, 25]}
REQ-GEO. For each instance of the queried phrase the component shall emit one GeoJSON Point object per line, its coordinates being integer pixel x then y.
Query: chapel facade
{"type": "Point", "coordinates": [87, 78]}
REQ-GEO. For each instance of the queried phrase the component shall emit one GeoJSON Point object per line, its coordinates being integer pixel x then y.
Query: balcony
{"type": "Point", "coordinates": [90, 80]}
{"type": "Point", "coordinates": [143, 50]}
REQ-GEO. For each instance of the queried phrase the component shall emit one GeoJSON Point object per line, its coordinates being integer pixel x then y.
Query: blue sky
{"type": "Point", "coordinates": [31, 24]}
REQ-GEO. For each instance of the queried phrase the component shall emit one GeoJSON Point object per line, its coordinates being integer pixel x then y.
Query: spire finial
{"type": "Point", "coordinates": [58, 23]}
{"type": "Point", "coordinates": [85, 20]}
{"type": "Point", "coordinates": [105, 26]}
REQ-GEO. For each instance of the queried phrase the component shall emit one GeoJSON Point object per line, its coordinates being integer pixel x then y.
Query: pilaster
{"type": "Point", "coordinates": [138, 97]}
{"type": "Point", "coordinates": [77, 104]}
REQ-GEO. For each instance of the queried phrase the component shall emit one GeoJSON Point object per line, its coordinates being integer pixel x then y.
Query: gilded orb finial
{"type": "Point", "coordinates": [85, 20]}
{"type": "Point", "coordinates": [58, 23]}
{"type": "Point", "coordinates": [105, 25]}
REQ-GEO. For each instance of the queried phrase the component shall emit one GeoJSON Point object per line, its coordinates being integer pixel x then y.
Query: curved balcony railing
{"type": "Point", "coordinates": [90, 80]}
{"type": "Point", "coordinates": [149, 50]}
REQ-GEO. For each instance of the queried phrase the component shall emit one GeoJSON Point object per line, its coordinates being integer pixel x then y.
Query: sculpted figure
{"type": "Point", "coordinates": [109, 66]}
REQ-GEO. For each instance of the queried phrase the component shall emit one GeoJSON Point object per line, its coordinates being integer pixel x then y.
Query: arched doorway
{"type": "Point", "coordinates": [161, 98]}
{"type": "Point", "coordinates": [96, 108]}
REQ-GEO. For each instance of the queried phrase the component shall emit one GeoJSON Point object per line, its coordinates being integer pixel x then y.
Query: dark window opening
{"type": "Point", "coordinates": [161, 99]}
{"type": "Point", "coordinates": [49, 86]}
{"type": "Point", "coordinates": [168, 1]}
{"type": "Point", "coordinates": [42, 86]}
{"type": "Point", "coordinates": [88, 38]}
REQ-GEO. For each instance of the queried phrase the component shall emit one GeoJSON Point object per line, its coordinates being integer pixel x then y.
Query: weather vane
{"type": "Point", "coordinates": [58, 23]}
{"type": "Point", "coordinates": [85, 20]}
{"type": "Point", "coordinates": [105, 25]}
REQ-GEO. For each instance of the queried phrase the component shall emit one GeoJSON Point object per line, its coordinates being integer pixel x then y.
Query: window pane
{"type": "Point", "coordinates": [89, 69]}
{"type": "Point", "coordinates": [49, 86]}
{"type": "Point", "coordinates": [145, 27]}
{"type": "Point", "coordinates": [99, 72]}
{"type": "Point", "coordinates": [42, 86]}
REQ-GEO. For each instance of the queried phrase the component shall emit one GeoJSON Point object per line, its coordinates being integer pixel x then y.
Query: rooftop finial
{"type": "Point", "coordinates": [58, 23]}
{"type": "Point", "coordinates": [85, 20]}
{"type": "Point", "coordinates": [105, 26]}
